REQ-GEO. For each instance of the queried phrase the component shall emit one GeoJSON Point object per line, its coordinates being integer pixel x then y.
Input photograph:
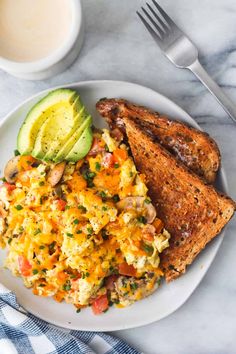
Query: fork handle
{"type": "Point", "coordinates": [214, 88]}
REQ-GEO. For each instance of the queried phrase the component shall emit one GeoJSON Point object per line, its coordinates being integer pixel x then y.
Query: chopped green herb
{"type": "Point", "coordinates": [82, 208]}
{"type": "Point", "coordinates": [9, 241]}
{"type": "Point", "coordinates": [88, 175]}
{"type": "Point", "coordinates": [103, 195]}
{"type": "Point", "coordinates": [159, 281]}
{"type": "Point", "coordinates": [21, 229]}
{"type": "Point", "coordinates": [3, 179]}
{"type": "Point", "coordinates": [148, 249]}
{"type": "Point", "coordinates": [44, 197]}
{"type": "Point", "coordinates": [116, 198]}
{"type": "Point", "coordinates": [41, 183]}
{"type": "Point", "coordinates": [116, 165]}
{"type": "Point", "coordinates": [91, 175]}
{"type": "Point", "coordinates": [90, 230]}
{"type": "Point", "coordinates": [69, 234]}
{"type": "Point", "coordinates": [51, 246]}
{"type": "Point", "coordinates": [19, 207]}
{"type": "Point", "coordinates": [42, 285]}
{"type": "Point", "coordinates": [85, 275]}
{"type": "Point", "coordinates": [142, 219]}
{"type": "Point", "coordinates": [67, 286]}
{"type": "Point", "coordinates": [106, 148]}
{"type": "Point", "coordinates": [76, 221]}
{"type": "Point", "coordinates": [147, 201]}
{"type": "Point", "coordinates": [90, 183]}
{"type": "Point", "coordinates": [79, 232]}
{"type": "Point", "coordinates": [131, 174]}
{"type": "Point", "coordinates": [104, 208]}
{"type": "Point", "coordinates": [16, 153]}
{"type": "Point", "coordinates": [73, 276]}
{"type": "Point", "coordinates": [67, 207]}
{"type": "Point", "coordinates": [38, 231]}
{"type": "Point", "coordinates": [97, 166]}
{"type": "Point", "coordinates": [41, 247]}
{"type": "Point", "coordinates": [35, 271]}
{"type": "Point", "coordinates": [134, 286]}
{"type": "Point", "coordinates": [78, 310]}
{"type": "Point", "coordinates": [44, 270]}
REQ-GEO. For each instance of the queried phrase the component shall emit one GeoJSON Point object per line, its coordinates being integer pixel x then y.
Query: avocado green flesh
{"type": "Point", "coordinates": [68, 146]}
{"type": "Point", "coordinates": [81, 147]}
{"type": "Point", "coordinates": [39, 114]}
{"type": "Point", "coordinates": [62, 129]}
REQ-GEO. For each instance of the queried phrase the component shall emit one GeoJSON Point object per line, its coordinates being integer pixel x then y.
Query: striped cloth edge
{"type": "Point", "coordinates": [24, 333]}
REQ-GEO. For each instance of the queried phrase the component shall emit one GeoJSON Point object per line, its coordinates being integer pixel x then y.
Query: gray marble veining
{"type": "Point", "coordinates": [118, 47]}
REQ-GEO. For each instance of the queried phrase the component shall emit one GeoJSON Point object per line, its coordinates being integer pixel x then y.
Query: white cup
{"type": "Point", "coordinates": [59, 59]}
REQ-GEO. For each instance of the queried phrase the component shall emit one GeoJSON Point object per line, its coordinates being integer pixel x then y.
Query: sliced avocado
{"type": "Point", "coordinates": [55, 132]}
{"type": "Point", "coordinates": [65, 150]}
{"type": "Point", "coordinates": [81, 147]}
{"type": "Point", "coordinates": [59, 141]}
{"type": "Point", "coordinates": [39, 113]}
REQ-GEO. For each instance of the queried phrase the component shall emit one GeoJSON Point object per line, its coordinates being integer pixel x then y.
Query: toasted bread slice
{"type": "Point", "coordinates": [194, 148]}
{"type": "Point", "coordinates": [192, 211]}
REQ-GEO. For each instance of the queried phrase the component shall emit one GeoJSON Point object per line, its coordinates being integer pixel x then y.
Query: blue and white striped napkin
{"type": "Point", "coordinates": [23, 333]}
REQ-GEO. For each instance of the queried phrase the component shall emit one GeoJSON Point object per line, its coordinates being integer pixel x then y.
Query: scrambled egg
{"type": "Point", "coordinates": [93, 239]}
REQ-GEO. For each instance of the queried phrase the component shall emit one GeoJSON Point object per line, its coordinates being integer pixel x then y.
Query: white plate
{"type": "Point", "coordinates": [165, 300]}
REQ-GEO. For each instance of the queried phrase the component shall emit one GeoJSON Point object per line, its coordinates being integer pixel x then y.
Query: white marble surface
{"type": "Point", "coordinates": [118, 47]}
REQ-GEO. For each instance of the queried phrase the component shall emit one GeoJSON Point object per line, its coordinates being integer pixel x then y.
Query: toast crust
{"type": "Point", "coordinates": [192, 211]}
{"type": "Point", "coordinates": [194, 148]}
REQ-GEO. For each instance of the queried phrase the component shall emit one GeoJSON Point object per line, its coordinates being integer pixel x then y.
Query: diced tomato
{"type": "Point", "coordinates": [24, 266]}
{"type": "Point", "coordinates": [100, 305]}
{"type": "Point", "coordinates": [97, 147]}
{"type": "Point", "coordinates": [120, 155]}
{"type": "Point", "coordinates": [9, 187]}
{"type": "Point", "coordinates": [61, 204]}
{"type": "Point", "coordinates": [126, 269]}
{"type": "Point", "coordinates": [109, 282]}
{"type": "Point", "coordinates": [158, 224]}
{"type": "Point", "coordinates": [108, 160]}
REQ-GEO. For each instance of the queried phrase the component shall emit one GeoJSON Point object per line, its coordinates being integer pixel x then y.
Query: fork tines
{"type": "Point", "coordinates": [157, 22]}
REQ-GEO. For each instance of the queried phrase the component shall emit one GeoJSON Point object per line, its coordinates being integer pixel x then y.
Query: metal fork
{"type": "Point", "coordinates": [181, 51]}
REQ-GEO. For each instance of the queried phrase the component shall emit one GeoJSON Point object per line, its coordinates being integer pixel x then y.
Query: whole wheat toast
{"type": "Point", "coordinates": [192, 211]}
{"type": "Point", "coordinates": [194, 148]}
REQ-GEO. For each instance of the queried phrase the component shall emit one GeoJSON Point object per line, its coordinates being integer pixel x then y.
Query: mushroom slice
{"type": "Point", "coordinates": [11, 169]}
{"type": "Point", "coordinates": [55, 174]}
{"type": "Point", "coordinates": [140, 205]}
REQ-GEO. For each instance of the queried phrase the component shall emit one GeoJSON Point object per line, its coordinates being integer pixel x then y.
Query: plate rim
{"type": "Point", "coordinates": [221, 173]}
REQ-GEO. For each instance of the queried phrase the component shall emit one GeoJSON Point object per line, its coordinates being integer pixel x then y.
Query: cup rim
{"type": "Point", "coordinates": [57, 55]}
